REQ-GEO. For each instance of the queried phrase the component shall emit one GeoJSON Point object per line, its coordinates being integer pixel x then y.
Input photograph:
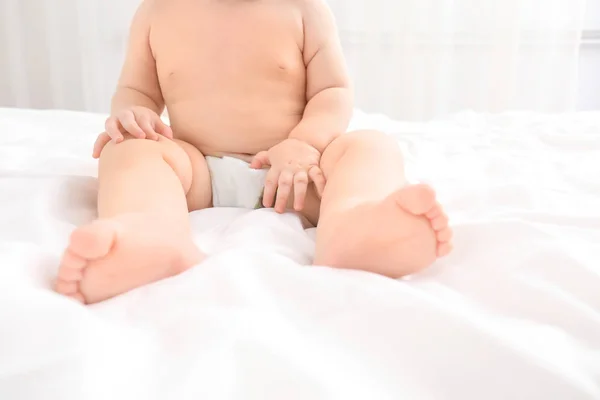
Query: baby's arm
{"type": "Point", "coordinates": [138, 101]}
{"type": "Point", "coordinates": [138, 84]}
{"type": "Point", "coordinates": [328, 91]}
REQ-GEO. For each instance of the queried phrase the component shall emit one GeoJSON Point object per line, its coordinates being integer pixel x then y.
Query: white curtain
{"type": "Point", "coordinates": [411, 59]}
{"type": "Point", "coordinates": [62, 53]}
{"type": "Point", "coordinates": [416, 59]}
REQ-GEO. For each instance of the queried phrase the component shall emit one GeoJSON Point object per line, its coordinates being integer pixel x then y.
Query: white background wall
{"type": "Point", "coordinates": [90, 53]}
{"type": "Point", "coordinates": [589, 68]}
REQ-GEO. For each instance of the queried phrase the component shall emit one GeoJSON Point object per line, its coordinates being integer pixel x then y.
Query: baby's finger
{"type": "Point", "coordinates": [286, 181]}
{"type": "Point", "coordinates": [260, 160]}
{"type": "Point", "coordinates": [102, 140]}
{"type": "Point", "coordinates": [112, 129]}
{"type": "Point", "coordinates": [146, 125]}
{"type": "Point", "coordinates": [130, 124]}
{"type": "Point", "coordinates": [316, 175]}
{"type": "Point", "coordinates": [300, 188]}
{"type": "Point", "coordinates": [162, 128]}
{"type": "Point", "coordinates": [270, 188]}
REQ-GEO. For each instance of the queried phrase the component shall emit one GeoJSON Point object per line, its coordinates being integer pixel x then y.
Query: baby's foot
{"type": "Point", "coordinates": [420, 200]}
{"type": "Point", "coordinates": [109, 257]}
{"type": "Point", "coordinates": [402, 235]}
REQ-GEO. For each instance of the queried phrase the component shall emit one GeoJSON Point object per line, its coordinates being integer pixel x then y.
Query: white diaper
{"type": "Point", "coordinates": [235, 184]}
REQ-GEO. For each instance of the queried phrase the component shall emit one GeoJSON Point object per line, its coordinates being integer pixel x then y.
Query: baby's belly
{"type": "Point", "coordinates": [236, 80]}
{"type": "Point", "coordinates": [233, 126]}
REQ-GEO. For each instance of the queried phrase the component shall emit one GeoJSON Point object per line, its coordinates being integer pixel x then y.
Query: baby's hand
{"type": "Point", "coordinates": [139, 122]}
{"type": "Point", "coordinates": [293, 163]}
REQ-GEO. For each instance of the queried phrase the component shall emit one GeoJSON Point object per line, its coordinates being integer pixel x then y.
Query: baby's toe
{"type": "Point", "coordinates": [66, 287]}
{"type": "Point", "coordinates": [444, 235]}
{"type": "Point", "coordinates": [93, 241]}
{"type": "Point", "coordinates": [444, 249]}
{"type": "Point", "coordinates": [77, 297]}
{"type": "Point", "coordinates": [70, 274]}
{"type": "Point", "coordinates": [72, 261]}
{"type": "Point", "coordinates": [440, 222]}
{"type": "Point", "coordinates": [71, 267]}
{"type": "Point", "coordinates": [416, 199]}
{"type": "Point", "coordinates": [435, 211]}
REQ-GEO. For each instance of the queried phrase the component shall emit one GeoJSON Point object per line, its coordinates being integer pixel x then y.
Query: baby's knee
{"type": "Point", "coordinates": [369, 139]}
{"type": "Point", "coordinates": [130, 150]}
{"type": "Point", "coordinates": [362, 141]}
{"type": "Point", "coordinates": [134, 152]}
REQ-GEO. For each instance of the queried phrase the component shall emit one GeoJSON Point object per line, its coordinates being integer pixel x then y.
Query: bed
{"type": "Point", "coordinates": [513, 313]}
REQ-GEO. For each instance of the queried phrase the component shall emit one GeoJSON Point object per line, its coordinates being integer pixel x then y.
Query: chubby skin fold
{"type": "Point", "coordinates": [264, 81]}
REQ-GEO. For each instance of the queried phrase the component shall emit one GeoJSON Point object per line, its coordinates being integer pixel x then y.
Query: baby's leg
{"type": "Point", "coordinates": [370, 219]}
{"type": "Point", "coordinates": [143, 232]}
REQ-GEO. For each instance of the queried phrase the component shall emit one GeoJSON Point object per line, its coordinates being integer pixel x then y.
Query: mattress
{"type": "Point", "coordinates": [513, 313]}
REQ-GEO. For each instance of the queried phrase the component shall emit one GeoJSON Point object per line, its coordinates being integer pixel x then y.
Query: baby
{"type": "Point", "coordinates": [258, 91]}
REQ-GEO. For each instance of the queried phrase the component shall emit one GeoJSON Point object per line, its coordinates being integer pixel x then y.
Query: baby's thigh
{"type": "Point", "coordinates": [312, 206]}
{"type": "Point", "coordinates": [187, 163]}
{"type": "Point", "coordinates": [197, 182]}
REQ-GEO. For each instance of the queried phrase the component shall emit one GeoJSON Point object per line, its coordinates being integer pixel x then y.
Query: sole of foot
{"type": "Point", "coordinates": [110, 257]}
{"type": "Point", "coordinates": [399, 236]}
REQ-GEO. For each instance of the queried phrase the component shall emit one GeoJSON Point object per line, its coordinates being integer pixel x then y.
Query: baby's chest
{"type": "Point", "coordinates": [227, 41]}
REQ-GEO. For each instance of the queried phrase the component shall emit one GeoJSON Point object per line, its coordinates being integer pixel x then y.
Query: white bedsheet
{"type": "Point", "coordinates": [513, 313]}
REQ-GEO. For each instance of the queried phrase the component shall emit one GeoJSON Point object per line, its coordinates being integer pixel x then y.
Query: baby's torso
{"type": "Point", "coordinates": [231, 71]}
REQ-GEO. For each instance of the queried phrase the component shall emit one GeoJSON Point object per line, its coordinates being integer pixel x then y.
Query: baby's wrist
{"type": "Point", "coordinates": [318, 139]}
{"type": "Point", "coordinates": [307, 140]}
{"type": "Point", "coordinates": [314, 133]}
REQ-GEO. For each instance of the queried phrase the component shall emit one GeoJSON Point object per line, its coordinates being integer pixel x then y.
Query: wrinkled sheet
{"type": "Point", "coordinates": [513, 313]}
